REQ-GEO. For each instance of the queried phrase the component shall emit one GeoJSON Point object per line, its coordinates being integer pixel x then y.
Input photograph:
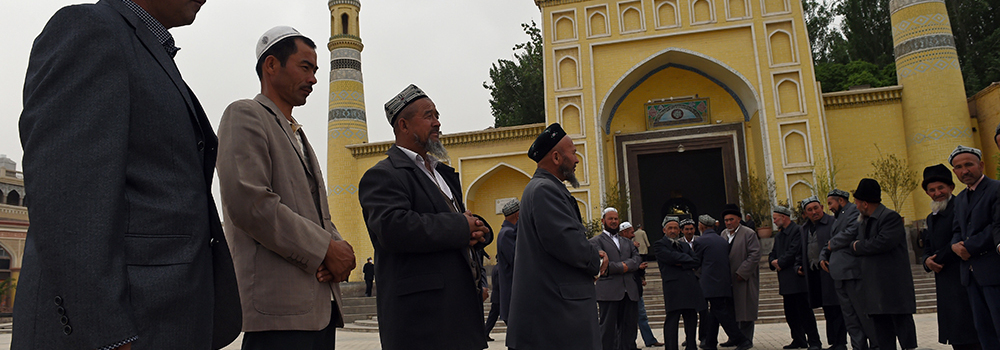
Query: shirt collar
{"type": "Point", "coordinates": [161, 33]}
{"type": "Point", "coordinates": [418, 159]}
{"type": "Point", "coordinates": [973, 187]}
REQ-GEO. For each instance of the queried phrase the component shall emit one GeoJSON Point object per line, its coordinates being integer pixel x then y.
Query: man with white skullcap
{"type": "Point", "coordinates": [617, 291]}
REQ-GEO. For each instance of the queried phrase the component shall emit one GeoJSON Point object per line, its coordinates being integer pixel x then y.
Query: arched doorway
{"type": "Point", "coordinates": [491, 190]}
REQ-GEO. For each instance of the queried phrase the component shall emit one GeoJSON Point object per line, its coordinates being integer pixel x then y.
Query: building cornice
{"type": "Point", "coordinates": [345, 41]}
{"type": "Point", "coordinates": [988, 89]}
{"type": "Point", "coordinates": [355, 3]}
{"type": "Point", "coordinates": [856, 98]}
{"type": "Point", "coordinates": [464, 138]}
{"type": "Point", "coordinates": [544, 3]}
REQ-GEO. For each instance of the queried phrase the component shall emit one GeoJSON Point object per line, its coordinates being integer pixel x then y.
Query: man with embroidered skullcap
{"type": "Point", "coordinates": [681, 293]}
{"type": "Point", "coordinates": [688, 231]}
{"type": "Point", "coordinates": [973, 241]}
{"type": "Point", "coordinates": [886, 277]}
{"type": "Point", "coordinates": [553, 299]}
{"type": "Point", "coordinates": [845, 269]}
{"type": "Point", "coordinates": [628, 232]}
{"type": "Point", "coordinates": [712, 251]}
{"type": "Point", "coordinates": [617, 291]}
{"type": "Point", "coordinates": [786, 258]}
{"type": "Point", "coordinates": [429, 272]}
{"type": "Point", "coordinates": [506, 244]}
{"type": "Point", "coordinates": [822, 292]}
{"type": "Point", "coordinates": [954, 312]}
{"type": "Point", "coordinates": [744, 259]}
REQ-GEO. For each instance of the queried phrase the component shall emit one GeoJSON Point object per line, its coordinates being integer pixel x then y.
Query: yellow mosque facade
{"type": "Point", "coordinates": [678, 102]}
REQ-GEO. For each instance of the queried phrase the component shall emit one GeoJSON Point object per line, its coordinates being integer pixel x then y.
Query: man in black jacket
{"type": "Point", "coordinates": [816, 234]}
{"type": "Point", "coordinates": [716, 284]}
{"type": "Point", "coordinates": [369, 271]}
{"type": "Point", "coordinates": [786, 259]}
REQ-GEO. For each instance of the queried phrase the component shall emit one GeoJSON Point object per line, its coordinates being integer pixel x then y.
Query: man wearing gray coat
{"type": "Point", "coordinates": [553, 301]}
{"type": "Point", "coordinates": [617, 291]}
{"type": "Point", "coordinates": [845, 269]}
{"type": "Point", "coordinates": [744, 261]}
{"type": "Point", "coordinates": [125, 247]}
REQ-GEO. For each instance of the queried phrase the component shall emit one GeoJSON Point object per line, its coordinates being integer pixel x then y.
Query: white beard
{"type": "Point", "coordinates": [938, 206]}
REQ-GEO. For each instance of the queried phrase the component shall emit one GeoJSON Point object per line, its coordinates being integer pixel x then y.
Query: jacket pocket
{"type": "Point", "coordinates": [280, 288]}
{"type": "Point", "coordinates": [419, 283]}
{"type": "Point", "coordinates": [159, 250]}
{"type": "Point", "coordinates": [578, 291]}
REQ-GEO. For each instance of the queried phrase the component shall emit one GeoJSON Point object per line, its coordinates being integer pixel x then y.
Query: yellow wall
{"type": "Point", "coordinates": [987, 111]}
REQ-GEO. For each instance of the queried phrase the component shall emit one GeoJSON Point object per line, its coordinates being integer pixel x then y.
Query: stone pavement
{"type": "Point", "coordinates": [767, 337]}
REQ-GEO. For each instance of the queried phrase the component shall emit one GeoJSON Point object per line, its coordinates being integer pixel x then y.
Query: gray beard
{"type": "Point", "coordinates": [434, 148]}
{"type": "Point", "coordinates": [569, 175]}
{"type": "Point", "coordinates": [938, 206]}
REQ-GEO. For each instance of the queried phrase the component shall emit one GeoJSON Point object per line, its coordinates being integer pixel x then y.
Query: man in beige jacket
{"type": "Point", "coordinates": [289, 257]}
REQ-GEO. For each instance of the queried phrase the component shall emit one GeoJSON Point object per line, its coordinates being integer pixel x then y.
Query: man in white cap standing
{"type": "Point", "coordinates": [617, 292]}
{"type": "Point", "coordinates": [429, 275]}
{"type": "Point", "coordinates": [289, 257]}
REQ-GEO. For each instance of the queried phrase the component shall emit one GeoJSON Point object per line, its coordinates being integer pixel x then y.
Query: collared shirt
{"type": "Point", "coordinates": [434, 176]}
{"type": "Point", "coordinates": [295, 126]}
{"type": "Point", "coordinates": [690, 243]}
{"type": "Point", "coordinates": [973, 187]}
{"type": "Point", "coordinates": [614, 238]}
{"type": "Point", "coordinates": [161, 33]}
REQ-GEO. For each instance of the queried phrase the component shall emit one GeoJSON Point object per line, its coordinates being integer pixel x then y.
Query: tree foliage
{"type": "Point", "coordinates": [976, 26]}
{"type": "Point", "coordinates": [517, 94]}
{"type": "Point", "coordinates": [826, 41]}
{"type": "Point", "coordinates": [755, 198]}
{"type": "Point", "coordinates": [895, 177]}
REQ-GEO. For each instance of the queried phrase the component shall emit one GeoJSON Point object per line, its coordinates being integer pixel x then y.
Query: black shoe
{"type": "Point", "coordinates": [837, 347]}
{"type": "Point", "coordinates": [684, 343]}
{"type": "Point", "coordinates": [745, 345]}
{"type": "Point", "coordinates": [815, 347]}
{"type": "Point", "coordinates": [728, 343]}
{"type": "Point", "coordinates": [795, 345]}
{"type": "Point", "coordinates": [655, 344]}
{"type": "Point", "coordinates": [489, 339]}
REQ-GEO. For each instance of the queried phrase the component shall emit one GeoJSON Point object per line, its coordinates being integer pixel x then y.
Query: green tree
{"type": "Point", "coordinates": [868, 28]}
{"type": "Point", "coordinates": [517, 94]}
{"type": "Point", "coordinates": [895, 177]}
{"type": "Point", "coordinates": [826, 41]}
{"type": "Point", "coordinates": [976, 26]}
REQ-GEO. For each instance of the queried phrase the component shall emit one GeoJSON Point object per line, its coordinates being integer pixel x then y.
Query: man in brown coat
{"type": "Point", "coordinates": [288, 255]}
{"type": "Point", "coordinates": [744, 257]}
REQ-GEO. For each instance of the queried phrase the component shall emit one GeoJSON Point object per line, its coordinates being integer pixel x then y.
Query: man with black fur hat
{"type": "Point", "coordinates": [786, 258]}
{"type": "Point", "coordinates": [553, 300]}
{"type": "Point", "coordinates": [974, 225]}
{"type": "Point", "coordinates": [429, 274]}
{"type": "Point", "coordinates": [845, 269]}
{"type": "Point", "coordinates": [816, 234]}
{"type": "Point", "coordinates": [954, 312]}
{"type": "Point", "coordinates": [886, 277]}
{"type": "Point", "coordinates": [744, 259]}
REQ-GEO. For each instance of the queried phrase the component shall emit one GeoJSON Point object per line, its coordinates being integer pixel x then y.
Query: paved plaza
{"type": "Point", "coordinates": [767, 337]}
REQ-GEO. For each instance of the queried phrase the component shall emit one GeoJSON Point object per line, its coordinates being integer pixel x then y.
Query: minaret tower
{"type": "Point", "coordinates": [347, 125]}
{"type": "Point", "coordinates": [936, 116]}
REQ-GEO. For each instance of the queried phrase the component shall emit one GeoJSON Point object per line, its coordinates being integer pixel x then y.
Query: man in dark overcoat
{"type": "Point", "coordinates": [506, 244]}
{"type": "Point", "coordinates": [125, 246]}
{"type": "Point", "coordinates": [886, 277]}
{"type": "Point", "coordinates": [553, 299]}
{"type": "Point", "coordinates": [822, 292]}
{"type": "Point", "coordinates": [617, 291]}
{"type": "Point", "coordinates": [954, 312]}
{"type": "Point", "coordinates": [716, 286]}
{"type": "Point", "coordinates": [976, 210]}
{"type": "Point", "coordinates": [428, 271]}
{"type": "Point", "coordinates": [845, 269]}
{"type": "Point", "coordinates": [786, 258]}
{"type": "Point", "coordinates": [744, 263]}
{"type": "Point", "coordinates": [681, 293]}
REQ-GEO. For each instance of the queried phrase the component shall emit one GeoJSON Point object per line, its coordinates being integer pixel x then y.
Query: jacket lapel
{"type": "Point", "coordinates": [282, 121]}
{"type": "Point", "coordinates": [400, 160]}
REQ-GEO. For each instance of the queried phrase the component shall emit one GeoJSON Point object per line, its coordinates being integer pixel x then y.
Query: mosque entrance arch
{"type": "Point", "coordinates": [682, 172]}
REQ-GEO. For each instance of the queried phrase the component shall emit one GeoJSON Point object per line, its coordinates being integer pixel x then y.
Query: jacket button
{"type": "Point", "coordinates": [64, 320]}
{"type": "Point", "coordinates": [67, 329]}
{"type": "Point", "coordinates": [61, 311]}
{"type": "Point", "coordinates": [201, 146]}
{"type": "Point", "coordinates": [58, 300]}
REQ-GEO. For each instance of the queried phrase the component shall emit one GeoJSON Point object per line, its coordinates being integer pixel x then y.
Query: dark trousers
{"type": "Point", "coordinates": [324, 339]}
{"type": "Point", "coordinates": [690, 329]}
{"type": "Point", "coordinates": [890, 327]}
{"type": "Point", "coordinates": [800, 319]}
{"type": "Point", "coordinates": [985, 301]}
{"type": "Point", "coordinates": [619, 324]}
{"type": "Point", "coordinates": [368, 287]}
{"type": "Point", "coordinates": [705, 318]}
{"type": "Point", "coordinates": [836, 329]}
{"type": "Point", "coordinates": [859, 326]}
{"type": "Point", "coordinates": [491, 319]}
{"type": "Point", "coordinates": [746, 327]}
{"type": "Point", "coordinates": [722, 313]}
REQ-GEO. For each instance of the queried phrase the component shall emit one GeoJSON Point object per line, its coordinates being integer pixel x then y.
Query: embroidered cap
{"type": "Point", "coordinates": [511, 207]}
{"type": "Point", "coordinates": [686, 222]}
{"type": "Point", "coordinates": [273, 36]}
{"type": "Point", "coordinates": [707, 220]}
{"type": "Point", "coordinates": [782, 210]}
{"type": "Point", "coordinates": [810, 200]}
{"type": "Point", "coordinates": [668, 219]}
{"type": "Point", "coordinates": [546, 141]}
{"type": "Point", "coordinates": [624, 226]}
{"type": "Point", "coordinates": [962, 149]}
{"type": "Point", "coordinates": [401, 100]}
{"type": "Point", "coordinates": [839, 193]}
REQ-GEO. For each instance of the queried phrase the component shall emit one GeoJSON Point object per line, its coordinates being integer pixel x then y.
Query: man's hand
{"type": "Point", "coordinates": [739, 278]}
{"type": "Point", "coordinates": [825, 265]}
{"type": "Point", "coordinates": [637, 245]}
{"type": "Point", "coordinates": [486, 294]}
{"type": "Point", "coordinates": [323, 274]}
{"type": "Point", "coordinates": [477, 229]}
{"type": "Point", "coordinates": [339, 260]}
{"type": "Point", "coordinates": [775, 264]}
{"type": "Point", "coordinates": [801, 273]}
{"type": "Point", "coordinates": [959, 248]}
{"type": "Point", "coordinates": [643, 265]}
{"type": "Point", "coordinates": [604, 262]}
{"type": "Point", "coordinates": [931, 264]}
{"type": "Point", "coordinates": [643, 282]}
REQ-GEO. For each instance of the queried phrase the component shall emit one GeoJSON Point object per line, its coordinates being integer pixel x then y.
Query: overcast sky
{"type": "Point", "coordinates": [445, 47]}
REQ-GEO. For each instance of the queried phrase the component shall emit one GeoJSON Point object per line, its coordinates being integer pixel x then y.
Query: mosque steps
{"type": "Point", "coordinates": [359, 312]}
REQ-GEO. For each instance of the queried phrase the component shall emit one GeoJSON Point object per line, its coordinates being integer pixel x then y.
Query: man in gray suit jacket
{"type": "Point", "coordinates": [125, 246]}
{"type": "Point", "coordinates": [553, 301]}
{"type": "Point", "coordinates": [845, 269]}
{"type": "Point", "coordinates": [428, 273]}
{"type": "Point", "coordinates": [289, 256]}
{"type": "Point", "coordinates": [617, 291]}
